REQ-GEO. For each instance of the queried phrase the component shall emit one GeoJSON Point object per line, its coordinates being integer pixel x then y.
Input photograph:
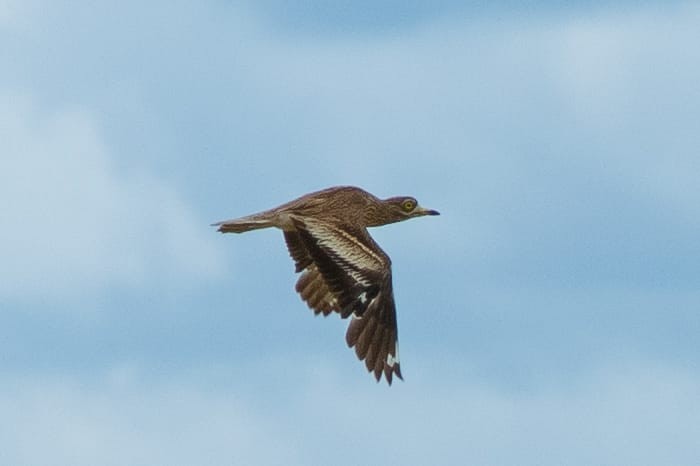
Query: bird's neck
{"type": "Point", "coordinates": [378, 214]}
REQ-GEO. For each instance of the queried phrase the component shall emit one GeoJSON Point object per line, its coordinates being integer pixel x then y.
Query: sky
{"type": "Point", "coordinates": [549, 316]}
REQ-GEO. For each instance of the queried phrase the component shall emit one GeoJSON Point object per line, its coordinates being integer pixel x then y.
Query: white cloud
{"type": "Point", "coordinates": [638, 413]}
{"type": "Point", "coordinates": [65, 423]}
{"type": "Point", "coordinates": [642, 414]}
{"type": "Point", "coordinates": [629, 79]}
{"type": "Point", "coordinates": [74, 223]}
{"type": "Point", "coordinates": [9, 11]}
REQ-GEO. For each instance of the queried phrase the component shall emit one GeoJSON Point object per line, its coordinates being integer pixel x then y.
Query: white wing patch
{"type": "Point", "coordinates": [392, 359]}
{"type": "Point", "coordinates": [360, 274]}
{"type": "Point", "coordinates": [348, 248]}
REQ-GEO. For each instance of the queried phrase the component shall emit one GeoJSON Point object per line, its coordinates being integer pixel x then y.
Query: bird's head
{"type": "Point", "coordinates": [404, 207]}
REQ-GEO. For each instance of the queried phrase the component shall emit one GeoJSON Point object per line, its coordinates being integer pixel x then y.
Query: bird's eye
{"type": "Point", "coordinates": [408, 205]}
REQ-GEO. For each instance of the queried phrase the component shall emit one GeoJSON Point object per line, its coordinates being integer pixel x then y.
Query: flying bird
{"type": "Point", "coordinates": [342, 268]}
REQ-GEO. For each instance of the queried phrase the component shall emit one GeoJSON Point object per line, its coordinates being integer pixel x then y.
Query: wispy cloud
{"type": "Point", "coordinates": [641, 414]}
{"type": "Point", "coordinates": [75, 222]}
{"type": "Point", "coordinates": [560, 147]}
{"type": "Point", "coordinates": [11, 13]}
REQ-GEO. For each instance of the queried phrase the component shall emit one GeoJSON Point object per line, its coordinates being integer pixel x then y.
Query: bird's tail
{"type": "Point", "coordinates": [240, 225]}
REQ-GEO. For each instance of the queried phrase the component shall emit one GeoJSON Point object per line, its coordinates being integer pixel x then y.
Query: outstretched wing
{"type": "Point", "coordinates": [346, 271]}
{"type": "Point", "coordinates": [375, 336]}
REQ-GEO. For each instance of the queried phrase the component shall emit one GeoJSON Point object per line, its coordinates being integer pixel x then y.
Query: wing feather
{"type": "Point", "coordinates": [352, 265]}
{"type": "Point", "coordinates": [357, 273]}
{"type": "Point", "coordinates": [311, 286]}
{"type": "Point", "coordinates": [342, 270]}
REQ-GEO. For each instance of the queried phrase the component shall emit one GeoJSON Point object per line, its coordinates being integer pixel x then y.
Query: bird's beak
{"type": "Point", "coordinates": [423, 211]}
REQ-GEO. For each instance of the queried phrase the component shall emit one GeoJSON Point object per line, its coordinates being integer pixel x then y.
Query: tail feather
{"type": "Point", "coordinates": [240, 225]}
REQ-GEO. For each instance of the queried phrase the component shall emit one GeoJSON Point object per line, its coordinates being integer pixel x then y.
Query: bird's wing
{"type": "Point", "coordinates": [310, 286]}
{"type": "Point", "coordinates": [346, 263]}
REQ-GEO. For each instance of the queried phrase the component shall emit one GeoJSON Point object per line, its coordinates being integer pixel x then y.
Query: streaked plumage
{"type": "Point", "coordinates": [342, 269]}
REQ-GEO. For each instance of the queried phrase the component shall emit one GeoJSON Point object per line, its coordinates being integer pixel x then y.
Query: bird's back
{"type": "Point", "coordinates": [339, 204]}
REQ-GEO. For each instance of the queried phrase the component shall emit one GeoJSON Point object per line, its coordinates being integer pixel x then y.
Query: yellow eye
{"type": "Point", "coordinates": [408, 205]}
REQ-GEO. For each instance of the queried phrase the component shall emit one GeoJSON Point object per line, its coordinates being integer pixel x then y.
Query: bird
{"type": "Point", "coordinates": [343, 270]}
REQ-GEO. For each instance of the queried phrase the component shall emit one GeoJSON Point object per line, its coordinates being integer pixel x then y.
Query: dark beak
{"type": "Point", "coordinates": [422, 211]}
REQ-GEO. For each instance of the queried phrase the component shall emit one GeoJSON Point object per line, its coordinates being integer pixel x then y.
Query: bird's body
{"type": "Point", "coordinates": [343, 268]}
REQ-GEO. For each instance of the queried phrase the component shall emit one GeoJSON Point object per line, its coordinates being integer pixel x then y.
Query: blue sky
{"type": "Point", "coordinates": [549, 316]}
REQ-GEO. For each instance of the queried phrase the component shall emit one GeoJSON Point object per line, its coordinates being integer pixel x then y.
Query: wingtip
{"type": "Point", "coordinates": [390, 372]}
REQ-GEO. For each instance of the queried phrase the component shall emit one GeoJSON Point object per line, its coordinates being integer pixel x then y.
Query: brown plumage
{"type": "Point", "coordinates": [342, 269]}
